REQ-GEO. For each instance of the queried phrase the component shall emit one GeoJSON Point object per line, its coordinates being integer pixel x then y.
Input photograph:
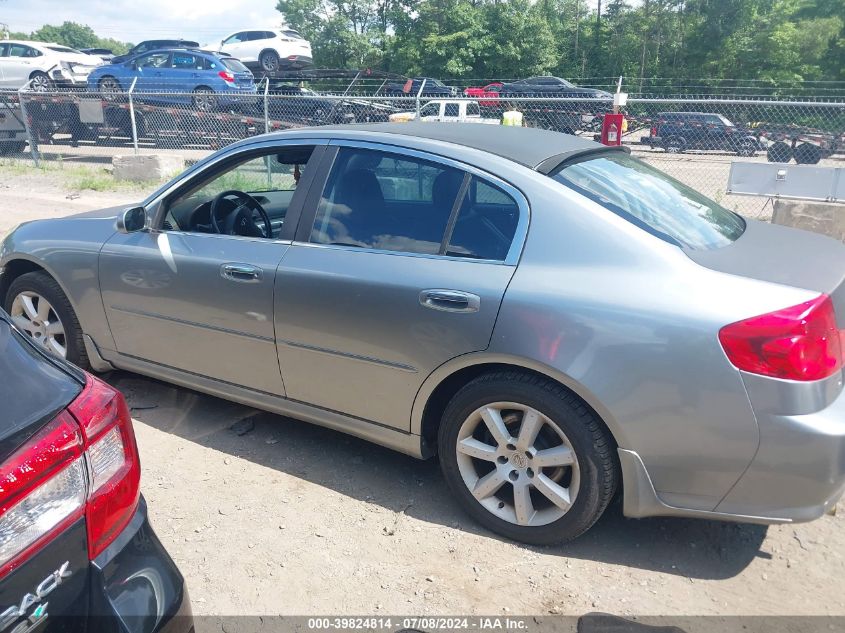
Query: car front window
{"type": "Point", "coordinates": [653, 201]}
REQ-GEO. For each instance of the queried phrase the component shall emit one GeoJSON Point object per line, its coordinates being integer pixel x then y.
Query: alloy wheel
{"type": "Point", "coordinates": [518, 464]}
{"type": "Point", "coordinates": [40, 83]}
{"type": "Point", "coordinates": [33, 314]}
{"type": "Point", "coordinates": [204, 100]}
{"type": "Point", "coordinates": [109, 88]}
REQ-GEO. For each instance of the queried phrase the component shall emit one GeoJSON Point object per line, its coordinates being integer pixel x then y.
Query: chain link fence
{"type": "Point", "coordinates": [693, 139]}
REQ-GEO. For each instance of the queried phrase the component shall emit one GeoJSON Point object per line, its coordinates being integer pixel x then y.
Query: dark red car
{"type": "Point", "coordinates": [488, 96]}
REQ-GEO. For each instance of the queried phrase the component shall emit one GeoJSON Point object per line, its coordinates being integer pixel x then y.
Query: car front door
{"type": "Point", "coordinates": [150, 71]}
{"type": "Point", "coordinates": [400, 264]}
{"type": "Point", "coordinates": [186, 297]}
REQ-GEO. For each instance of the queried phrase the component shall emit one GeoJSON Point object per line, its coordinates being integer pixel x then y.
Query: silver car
{"type": "Point", "coordinates": [555, 319]}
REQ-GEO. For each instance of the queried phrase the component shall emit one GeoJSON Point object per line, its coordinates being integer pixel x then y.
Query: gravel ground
{"type": "Point", "coordinates": [289, 518]}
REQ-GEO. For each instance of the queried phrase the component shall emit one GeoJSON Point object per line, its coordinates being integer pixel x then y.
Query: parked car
{"type": "Point", "coordinates": [207, 81]}
{"type": "Point", "coordinates": [153, 45]}
{"type": "Point", "coordinates": [446, 111]}
{"type": "Point", "coordinates": [681, 131]}
{"type": "Point", "coordinates": [550, 87]}
{"type": "Point", "coordinates": [270, 49]}
{"type": "Point", "coordinates": [411, 88]}
{"type": "Point", "coordinates": [77, 551]}
{"type": "Point", "coordinates": [103, 53]}
{"type": "Point", "coordinates": [45, 66]}
{"type": "Point", "coordinates": [562, 106]}
{"type": "Point", "coordinates": [488, 96]}
{"type": "Point", "coordinates": [295, 104]}
{"type": "Point", "coordinates": [389, 281]}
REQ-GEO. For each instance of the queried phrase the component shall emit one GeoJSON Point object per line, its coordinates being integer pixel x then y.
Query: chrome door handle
{"type": "Point", "coordinates": [450, 300]}
{"type": "Point", "coordinates": [245, 273]}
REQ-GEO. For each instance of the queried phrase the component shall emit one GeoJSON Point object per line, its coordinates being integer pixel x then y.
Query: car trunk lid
{"type": "Point", "coordinates": [783, 255]}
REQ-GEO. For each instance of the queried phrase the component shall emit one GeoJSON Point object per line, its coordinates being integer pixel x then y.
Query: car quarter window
{"type": "Point", "coordinates": [386, 201]}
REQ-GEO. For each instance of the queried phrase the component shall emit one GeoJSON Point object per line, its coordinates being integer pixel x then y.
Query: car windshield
{"type": "Point", "coordinates": [234, 65]}
{"type": "Point", "coordinates": [653, 201]}
{"type": "Point", "coordinates": [725, 120]}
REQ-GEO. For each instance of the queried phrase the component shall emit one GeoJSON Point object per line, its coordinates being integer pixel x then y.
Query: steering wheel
{"type": "Point", "coordinates": [239, 221]}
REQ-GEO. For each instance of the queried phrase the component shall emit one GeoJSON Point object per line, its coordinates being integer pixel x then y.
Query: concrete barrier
{"type": "Point", "coordinates": [827, 218]}
{"type": "Point", "coordinates": [147, 167]}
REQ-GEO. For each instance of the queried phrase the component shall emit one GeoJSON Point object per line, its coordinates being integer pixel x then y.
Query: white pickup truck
{"type": "Point", "coordinates": [446, 110]}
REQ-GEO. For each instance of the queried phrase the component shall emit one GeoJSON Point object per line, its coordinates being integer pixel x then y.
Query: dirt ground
{"type": "Point", "coordinates": [291, 518]}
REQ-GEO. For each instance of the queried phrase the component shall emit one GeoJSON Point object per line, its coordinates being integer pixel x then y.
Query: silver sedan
{"type": "Point", "coordinates": [557, 320]}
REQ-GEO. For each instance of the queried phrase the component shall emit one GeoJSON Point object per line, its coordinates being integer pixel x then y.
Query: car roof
{"type": "Point", "coordinates": [33, 43]}
{"type": "Point", "coordinates": [542, 150]}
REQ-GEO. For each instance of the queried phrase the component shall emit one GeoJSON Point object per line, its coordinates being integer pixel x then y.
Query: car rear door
{"type": "Point", "coordinates": [398, 266]}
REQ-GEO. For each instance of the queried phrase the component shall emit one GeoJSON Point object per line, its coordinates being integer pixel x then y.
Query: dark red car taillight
{"type": "Point", "coordinates": [226, 76]}
{"type": "Point", "coordinates": [84, 462]}
{"type": "Point", "coordinates": [801, 342]}
{"type": "Point", "coordinates": [653, 130]}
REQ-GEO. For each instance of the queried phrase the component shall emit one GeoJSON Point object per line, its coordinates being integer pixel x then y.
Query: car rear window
{"type": "Point", "coordinates": [653, 201]}
{"type": "Point", "coordinates": [234, 65]}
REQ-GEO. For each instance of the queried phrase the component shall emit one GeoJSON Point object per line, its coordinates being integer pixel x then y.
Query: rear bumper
{"type": "Point", "coordinates": [297, 61]}
{"type": "Point", "coordinates": [135, 585]}
{"type": "Point", "coordinates": [797, 474]}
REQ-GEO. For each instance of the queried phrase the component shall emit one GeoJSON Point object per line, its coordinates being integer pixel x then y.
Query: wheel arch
{"type": "Point", "coordinates": [442, 384]}
{"type": "Point", "coordinates": [270, 49]}
{"type": "Point", "coordinates": [20, 264]}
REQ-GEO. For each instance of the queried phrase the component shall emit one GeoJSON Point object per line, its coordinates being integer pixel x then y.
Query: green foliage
{"type": "Point", "coordinates": [75, 36]}
{"type": "Point", "coordinates": [776, 40]}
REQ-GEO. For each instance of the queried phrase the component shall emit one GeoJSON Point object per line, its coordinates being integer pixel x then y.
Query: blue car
{"type": "Point", "coordinates": [207, 81]}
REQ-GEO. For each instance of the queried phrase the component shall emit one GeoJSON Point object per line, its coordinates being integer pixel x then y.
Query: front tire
{"type": "Point", "coordinates": [526, 458]}
{"type": "Point", "coordinates": [40, 309]}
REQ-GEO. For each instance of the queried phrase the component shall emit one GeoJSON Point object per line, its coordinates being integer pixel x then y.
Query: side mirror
{"type": "Point", "coordinates": [132, 220]}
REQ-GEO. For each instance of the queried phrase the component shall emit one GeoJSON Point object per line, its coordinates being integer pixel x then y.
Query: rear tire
{"type": "Point", "coordinates": [269, 61]}
{"type": "Point", "coordinates": [204, 99]}
{"type": "Point", "coordinates": [675, 145]}
{"type": "Point", "coordinates": [44, 286]}
{"type": "Point", "coordinates": [40, 82]}
{"type": "Point", "coordinates": [747, 147]}
{"type": "Point", "coordinates": [582, 465]}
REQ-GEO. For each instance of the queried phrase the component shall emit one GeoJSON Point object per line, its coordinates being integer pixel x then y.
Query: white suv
{"type": "Point", "coordinates": [271, 50]}
{"type": "Point", "coordinates": [45, 65]}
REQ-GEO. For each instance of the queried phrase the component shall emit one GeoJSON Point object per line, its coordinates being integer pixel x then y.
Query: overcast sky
{"type": "Point", "coordinates": [135, 20]}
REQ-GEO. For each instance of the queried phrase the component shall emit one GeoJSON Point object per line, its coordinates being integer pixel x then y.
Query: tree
{"type": "Point", "coordinates": [76, 36]}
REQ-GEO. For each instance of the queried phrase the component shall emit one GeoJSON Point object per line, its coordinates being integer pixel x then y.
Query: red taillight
{"type": "Point", "coordinates": [654, 130]}
{"type": "Point", "coordinates": [802, 342]}
{"type": "Point", "coordinates": [84, 462]}
{"type": "Point", "coordinates": [114, 465]}
{"type": "Point", "coordinates": [226, 76]}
